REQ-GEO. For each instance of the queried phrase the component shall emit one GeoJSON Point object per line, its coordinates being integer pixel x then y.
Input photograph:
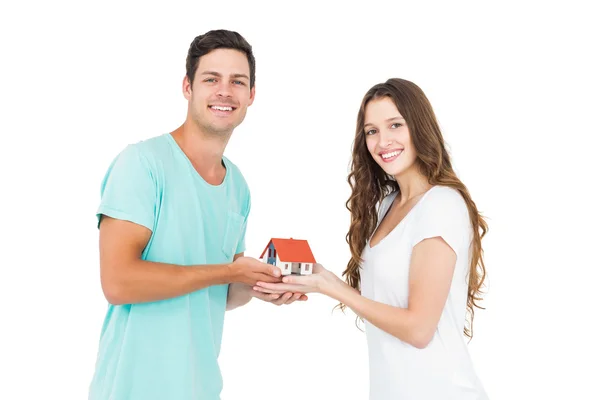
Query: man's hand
{"type": "Point", "coordinates": [248, 270]}
{"type": "Point", "coordinates": [320, 281]}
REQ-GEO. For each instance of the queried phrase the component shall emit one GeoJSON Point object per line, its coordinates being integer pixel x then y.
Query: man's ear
{"type": "Point", "coordinates": [252, 94]}
{"type": "Point", "coordinates": [186, 88]}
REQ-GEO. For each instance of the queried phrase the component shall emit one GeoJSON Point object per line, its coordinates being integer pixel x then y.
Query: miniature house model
{"type": "Point", "coordinates": [292, 256]}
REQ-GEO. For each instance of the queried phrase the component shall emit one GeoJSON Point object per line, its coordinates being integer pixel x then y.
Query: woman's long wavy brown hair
{"type": "Point", "coordinates": [370, 184]}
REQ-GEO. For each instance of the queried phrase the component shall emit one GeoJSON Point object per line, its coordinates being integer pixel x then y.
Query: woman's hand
{"type": "Point", "coordinates": [320, 281]}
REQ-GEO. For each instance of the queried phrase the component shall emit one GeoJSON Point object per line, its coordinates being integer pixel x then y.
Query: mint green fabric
{"type": "Point", "coordinates": [168, 350]}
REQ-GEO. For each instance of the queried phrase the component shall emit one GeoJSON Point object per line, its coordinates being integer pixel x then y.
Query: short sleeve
{"type": "Point", "coordinates": [444, 214]}
{"type": "Point", "coordinates": [241, 247]}
{"type": "Point", "coordinates": [128, 189]}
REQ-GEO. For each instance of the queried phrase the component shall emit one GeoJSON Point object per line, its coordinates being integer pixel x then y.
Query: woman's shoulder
{"type": "Point", "coordinates": [443, 212]}
{"type": "Point", "coordinates": [445, 194]}
{"type": "Point", "coordinates": [444, 199]}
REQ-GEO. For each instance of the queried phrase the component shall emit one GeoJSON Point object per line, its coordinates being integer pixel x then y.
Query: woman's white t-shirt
{"type": "Point", "coordinates": [442, 370]}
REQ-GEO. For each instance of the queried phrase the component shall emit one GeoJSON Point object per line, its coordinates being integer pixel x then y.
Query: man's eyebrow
{"type": "Point", "coordinates": [211, 73]}
{"type": "Point", "coordinates": [214, 73]}
{"type": "Point", "coordinates": [241, 76]}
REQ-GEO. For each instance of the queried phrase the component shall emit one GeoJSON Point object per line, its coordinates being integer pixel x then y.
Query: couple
{"type": "Point", "coordinates": [172, 222]}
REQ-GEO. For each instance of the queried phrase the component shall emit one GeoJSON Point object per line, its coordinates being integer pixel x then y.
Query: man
{"type": "Point", "coordinates": [172, 222]}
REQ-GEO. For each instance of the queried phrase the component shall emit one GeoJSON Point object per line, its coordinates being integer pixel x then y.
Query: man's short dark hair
{"type": "Point", "coordinates": [218, 39]}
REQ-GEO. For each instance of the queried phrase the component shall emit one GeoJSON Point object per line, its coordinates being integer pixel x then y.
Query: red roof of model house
{"type": "Point", "coordinates": [291, 250]}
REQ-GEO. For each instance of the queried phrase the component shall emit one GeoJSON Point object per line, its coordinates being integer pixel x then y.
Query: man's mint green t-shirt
{"type": "Point", "coordinates": [168, 350]}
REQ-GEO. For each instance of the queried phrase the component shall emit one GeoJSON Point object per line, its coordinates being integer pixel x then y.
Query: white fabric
{"type": "Point", "coordinates": [442, 370]}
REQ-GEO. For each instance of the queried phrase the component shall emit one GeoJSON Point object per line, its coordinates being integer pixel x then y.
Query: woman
{"type": "Point", "coordinates": [415, 239]}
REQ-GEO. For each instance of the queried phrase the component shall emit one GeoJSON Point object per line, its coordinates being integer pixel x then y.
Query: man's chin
{"type": "Point", "coordinates": [222, 129]}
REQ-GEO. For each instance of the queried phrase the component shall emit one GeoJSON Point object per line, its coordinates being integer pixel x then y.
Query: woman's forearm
{"type": "Point", "coordinates": [398, 322]}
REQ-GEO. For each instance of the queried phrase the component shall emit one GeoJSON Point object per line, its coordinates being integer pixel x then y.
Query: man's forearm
{"type": "Point", "coordinates": [239, 294]}
{"type": "Point", "coordinates": [145, 281]}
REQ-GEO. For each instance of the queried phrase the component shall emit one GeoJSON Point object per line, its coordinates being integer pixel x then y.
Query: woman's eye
{"type": "Point", "coordinates": [396, 125]}
{"type": "Point", "coordinates": [370, 132]}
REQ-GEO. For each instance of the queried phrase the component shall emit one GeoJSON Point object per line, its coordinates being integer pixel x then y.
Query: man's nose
{"type": "Point", "coordinates": [224, 89]}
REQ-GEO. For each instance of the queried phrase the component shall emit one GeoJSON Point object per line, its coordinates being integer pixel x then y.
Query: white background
{"type": "Point", "coordinates": [515, 87]}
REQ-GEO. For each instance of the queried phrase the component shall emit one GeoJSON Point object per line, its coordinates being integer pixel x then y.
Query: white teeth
{"type": "Point", "coordinates": [392, 154]}
{"type": "Point", "coordinates": [222, 108]}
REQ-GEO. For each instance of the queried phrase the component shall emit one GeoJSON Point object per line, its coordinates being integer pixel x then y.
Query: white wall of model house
{"type": "Point", "coordinates": [302, 268]}
{"type": "Point", "coordinates": [288, 267]}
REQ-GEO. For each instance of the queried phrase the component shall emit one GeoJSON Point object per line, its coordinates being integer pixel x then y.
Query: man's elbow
{"type": "Point", "coordinates": [114, 292]}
